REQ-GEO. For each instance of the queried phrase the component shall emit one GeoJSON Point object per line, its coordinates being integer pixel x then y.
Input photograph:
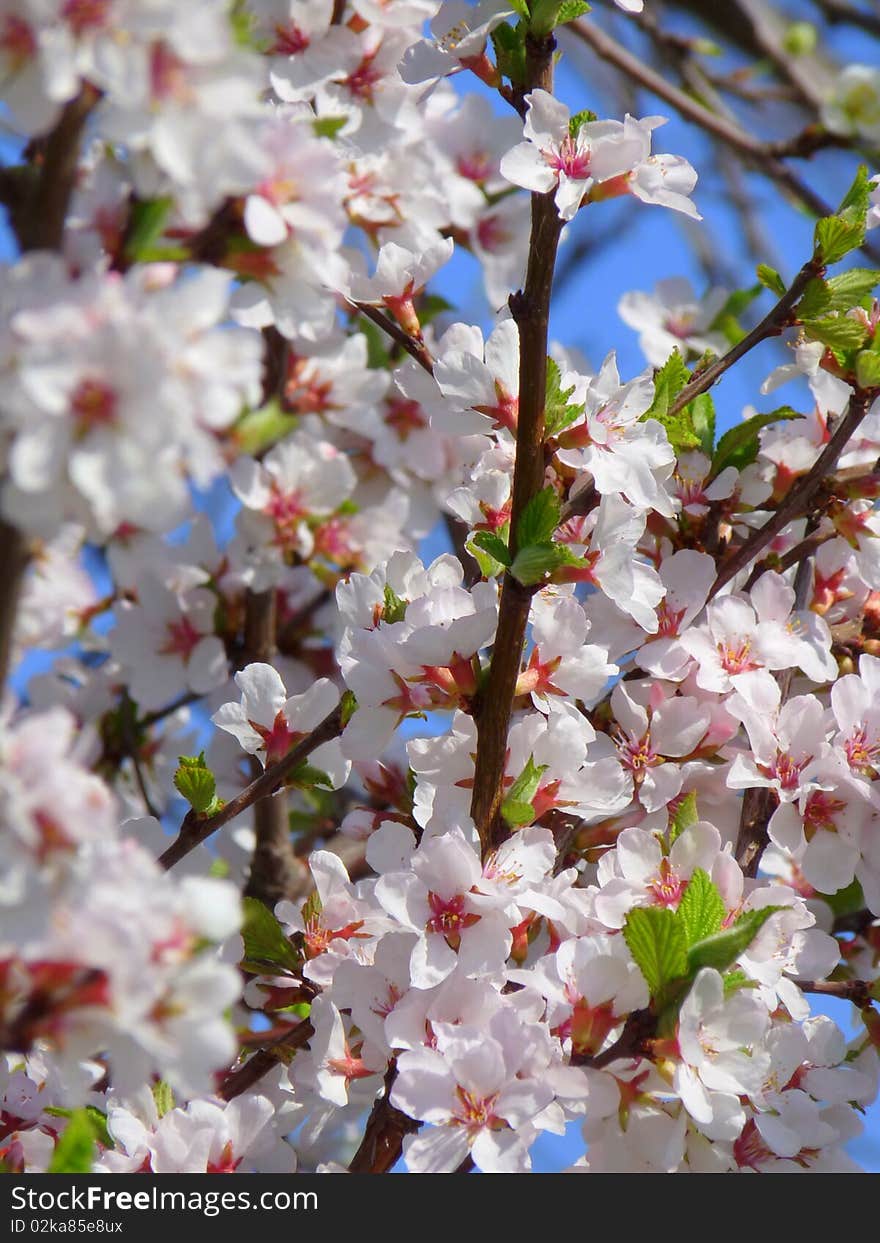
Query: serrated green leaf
{"type": "Point", "coordinates": [837, 235]}
{"type": "Point", "coordinates": [771, 279]}
{"type": "Point", "coordinates": [839, 333]}
{"type": "Point", "coordinates": [739, 446]}
{"type": "Point", "coordinates": [75, 1151]}
{"type": "Point", "coordinates": [668, 383]}
{"type": "Point", "coordinates": [868, 369]}
{"type": "Point", "coordinates": [394, 609]}
{"type": "Point", "coordinates": [265, 945]}
{"type": "Point", "coordinates": [683, 817]}
{"type": "Point", "coordinates": [195, 782]}
{"type": "Point", "coordinates": [701, 910]}
{"type": "Point", "coordinates": [145, 226]}
{"type": "Point", "coordinates": [816, 299]}
{"type": "Point", "coordinates": [657, 943]}
{"type": "Point", "coordinates": [509, 44]}
{"type": "Point", "coordinates": [723, 948]}
{"type": "Point", "coordinates": [578, 119]}
{"type": "Point", "coordinates": [493, 545]}
{"type": "Point", "coordinates": [559, 413]}
{"type": "Point", "coordinates": [538, 562]}
{"type": "Point", "coordinates": [571, 10]}
{"type": "Point", "coordinates": [539, 519]}
{"type": "Point", "coordinates": [849, 289]}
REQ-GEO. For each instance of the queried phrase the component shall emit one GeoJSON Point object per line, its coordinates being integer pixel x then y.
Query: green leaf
{"type": "Point", "coordinates": [771, 279]}
{"type": "Point", "coordinates": [559, 413]}
{"type": "Point", "coordinates": [847, 900]}
{"type": "Point", "coordinates": [517, 813]}
{"type": "Point", "coordinates": [839, 333]}
{"type": "Point", "coordinates": [75, 1151]}
{"type": "Point", "coordinates": [304, 776]}
{"type": "Point", "coordinates": [701, 910]}
{"type": "Point", "coordinates": [578, 119]}
{"type": "Point", "coordinates": [739, 446]}
{"type": "Point", "coordinates": [539, 519]}
{"type": "Point", "coordinates": [571, 10]}
{"type": "Point", "coordinates": [528, 782]}
{"type": "Point", "coordinates": [683, 817]}
{"type": "Point", "coordinates": [195, 782]}
{"type": "Point", "coordinates": [850, 288]}
{"type": "Point", "coordinates": [702, 410]}
{"type": "Point", "coordinates": [723, 948]}
{"type": "Point", "coordinates": [394, 608]}
{"type": "Point", "coordinates": [657, 943]}
{"type": "Point", "coordinates": [145, 226]}
{"type": "Point", "coordinates": [521, 7]}
{"type": "Point", "coordinates": [509, 44]}
{"type": "Point", "coordinates": [348, 707]}
{"type": "Point", "coordinates": [328, 127]}
{"type": "Point", "coordinates": [164, 1097]}
{"type": "Point", "coordinates": [493, 545]}
{"type": "Point", "coordinates": [868, 369]}
{"type": "Point", "coordinates": [266, 948]}
{"type": "Point", "coordinates": [97, 1119]}
{"type": "Point", "coordinates": [258, 429]}
{"type": "Point", "coordinates": [668, 383]}
{"type": "Point", "coordinates": [735, 980]}
{"type": "Point", "coordinates": [538, 562]}
{"type": "Point", "coordinates": [816, 300]}
{"type": "Point", "coordinates": [837, 235]}
{"type": "Point", "coordinates": [378, 356]}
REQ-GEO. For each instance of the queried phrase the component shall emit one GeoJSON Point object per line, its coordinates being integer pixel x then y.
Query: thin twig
{"type": "Point", "coordinates": [416, 349]}
{"type": "Point", "coordinates": [265, 1060]}
{"type": "Point", "coordinates": [197, 829]}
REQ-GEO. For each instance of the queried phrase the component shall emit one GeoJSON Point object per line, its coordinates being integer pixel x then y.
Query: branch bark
{"type": "Point", "coordinates": [197, 829]}
{"type": "Point", "coordinates": [530, 308]}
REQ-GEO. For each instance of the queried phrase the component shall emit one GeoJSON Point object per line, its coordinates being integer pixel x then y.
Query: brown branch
{"type": "Point", "coordinates": [727, 131]}
{"type": "Point", "coordinates": [856, 991]}
{"type": "Point", "coordinates": [39, 225]}
{"type": "Point", "coordinates": [531, 311]}
{"type": "Point", "coordinates": [416, 349]}
{"type": "Point", "coordinates": [797, 500]}
{"type": "Point", "coordinates": [197, 829]}
{"type": "Point", "coordinates": [840, 12]}
{"type": "Point", "coordinates": [770, 326]}
{"type": "Point", "coordinates": [759, 802]}
{"type": "Point", "coordinates": [638, 1029]}
{"type": "Point", "coordinates": [265, 1060]}
{"type": "Point", "coordinates": [386, 1129]}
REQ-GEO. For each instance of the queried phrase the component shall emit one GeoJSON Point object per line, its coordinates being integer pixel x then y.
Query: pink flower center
{"type": "Point", "coordinates": [286, 510]}
{"type": "Point", "coordinates": [363, 80]}
{"type": "Point", "coordinates": [567, 159]}
{"type": "Point", "coordinates": [821, 812]}
{"type": "Point", "coordinates": [476, 165]}
{"type": "Point", "coordinates": [168, 75]}
{"type": "Point", "coordinates": [475, 1112]}
{"type": "Point", "coordinates": [93, 404]}
{"type": "Point", "coordinates": [666, 886]}
{"type": "Point", "coordinates": [786, 770]}
{"type": "Point", "coordinates": [226, 1163]}
{"type": "Point", "coordinates": [181, 638]}
{"type": "Point", "coordinates": [278, 738]}
{"type": "Point", "coordinates": [735, 656]}
{"type": "Point", "coordinates": [859, 751]}
{"type": "Point", "coordinates": [448, 916]}
{"type": "Point", "coordinates": [669, 620]}
{"type": "Point", "coordinates": [492, 235]}
{"type": "Point", "coordinates": [404, 416]}
{"type": "Point", "coordinates": [289, 41]}
{"type": "Point", "coordinates": [17, 40]}
{"type": "Point", "coordinates": [637, 754]}
{"type": "Point", "coordinates": [680, 326]}
{"type": "Point", "coordinates": [83, 15]}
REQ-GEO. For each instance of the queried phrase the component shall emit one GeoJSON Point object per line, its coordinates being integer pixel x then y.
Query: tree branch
{"type": "Point", "coordinates": [416, 349]}
{"type": "Point", "coordinates": [764, 156]}
{"type": "Point", "coordinates": [386, 1129]}
{"type": "Point", "coordinates": [798, 498]}
{"type": "Point", "coordinates": [264, 1060]}
{"type": "Point", "coordinates": [197, 829]}
{"type": "Point", "coordinates": [531, 311]}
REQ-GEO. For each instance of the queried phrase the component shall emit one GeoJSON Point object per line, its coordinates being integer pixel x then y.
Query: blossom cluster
{"type": "Point", "coordinates": [240, 304]}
